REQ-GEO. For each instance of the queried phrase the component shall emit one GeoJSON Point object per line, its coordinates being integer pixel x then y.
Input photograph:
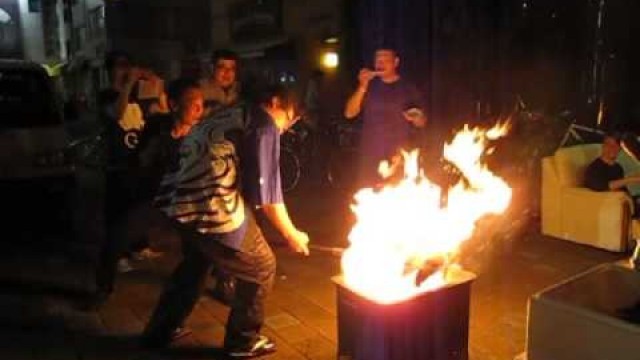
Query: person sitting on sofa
{"type": "Point", "coordinates": [605, 173]}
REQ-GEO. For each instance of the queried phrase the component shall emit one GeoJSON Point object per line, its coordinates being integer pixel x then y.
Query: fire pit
{"type": "Point", "coordinates": [401, 295]}
{"type": "Point", "coordinates": [432, 325]}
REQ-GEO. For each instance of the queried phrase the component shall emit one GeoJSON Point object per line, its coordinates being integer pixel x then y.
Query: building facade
{"type": "Point", "coordinates": [68, 37]}
{"type": "Point", "coordinates": [286, 39]}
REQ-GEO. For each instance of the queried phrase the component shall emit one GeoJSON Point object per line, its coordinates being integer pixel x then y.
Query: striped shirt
{"type": "Point", "coordinates": [202, 187]}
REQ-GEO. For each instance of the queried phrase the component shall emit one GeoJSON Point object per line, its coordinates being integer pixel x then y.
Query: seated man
{"type": "Point", "coordinates": [604, 173]}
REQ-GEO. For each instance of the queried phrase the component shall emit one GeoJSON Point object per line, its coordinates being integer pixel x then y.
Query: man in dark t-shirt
{"type": "Point", "coordinates": [391, 109]}
{"type": "Point", "coordinates": [122, 110]}
{"type": "Point", "coordinates": [600, 175]}
{"type": "Point", "coordinates": [604, 173]}
{"type": "Point", "coordinates": [132, 228]}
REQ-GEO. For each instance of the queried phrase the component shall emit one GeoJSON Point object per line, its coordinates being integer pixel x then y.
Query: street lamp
{"type": "Point", "coordinates": [330, 59]}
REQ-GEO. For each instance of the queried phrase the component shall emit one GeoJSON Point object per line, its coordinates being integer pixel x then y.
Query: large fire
{"type": "Point", "coordinates": [404, 226]}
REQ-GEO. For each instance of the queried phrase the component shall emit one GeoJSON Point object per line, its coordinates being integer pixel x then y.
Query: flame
{"type": "Point", "coordinates": [404, 224]}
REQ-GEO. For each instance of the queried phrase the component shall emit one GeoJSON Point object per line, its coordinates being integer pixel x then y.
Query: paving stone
{"type": "Point", "coordinates": [300, 312]}
{"type": "Point", "coordinates": [280, 321]}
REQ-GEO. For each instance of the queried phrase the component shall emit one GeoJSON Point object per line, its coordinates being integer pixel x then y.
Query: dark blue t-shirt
{"type": "Point", "coordinates": [261, 160]}
{"type": "Point", "coordinates": [599, 174]}
{"type": "Point", "coordinates": [384, 128]}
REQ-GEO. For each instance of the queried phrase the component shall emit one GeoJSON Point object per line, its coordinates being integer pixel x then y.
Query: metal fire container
{"type": "Point", "coordinates": [433, 325]}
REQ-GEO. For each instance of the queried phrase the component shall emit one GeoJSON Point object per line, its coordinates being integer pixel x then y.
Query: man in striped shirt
{"type": "Point", "coordinates": [201, 192]}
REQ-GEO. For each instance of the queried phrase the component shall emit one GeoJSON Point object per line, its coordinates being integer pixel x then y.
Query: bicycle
{"type": "Point", "coordinates": [573, 133]}
{"type": "Point", "coordinates": [294, 154]}
{"type": "Point", "coordinates": [298, 150]}
{"type": "Point", "coordinates": [517, 158]}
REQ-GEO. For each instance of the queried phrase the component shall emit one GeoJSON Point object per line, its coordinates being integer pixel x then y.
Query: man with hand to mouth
{"type": "Point", "coordinates": [391, 109]}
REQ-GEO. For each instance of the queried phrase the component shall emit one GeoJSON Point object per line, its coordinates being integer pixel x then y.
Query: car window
{"type": "Point", "coordinates": [26, 99]}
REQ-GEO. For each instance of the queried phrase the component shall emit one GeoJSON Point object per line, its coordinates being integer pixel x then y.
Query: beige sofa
{"type": "Point", "coordinates": [575, 213]}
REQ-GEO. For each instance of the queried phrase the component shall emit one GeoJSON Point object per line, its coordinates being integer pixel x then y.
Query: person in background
{"type": "Point", "coordinates": [605, 173]}
{"type": "Point", "coordinates": [312, 104]}
{"type": "Point", "coordinates": [391, 108]}
{"type": "Point", "coordinates": [124, 115]}
{"type": "Point", "coordinates": [315, 124]}
{"type": "Point", "coordinates": [221, 90]}
{"type": "Point", "coordinates": [142, 224]}
{"type": "Point", "coordinates": [268, 118]}
{"type": "Point", "coordinates": [120, 105]}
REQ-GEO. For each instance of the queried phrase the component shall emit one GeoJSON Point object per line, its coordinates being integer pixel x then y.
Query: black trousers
{"type": "Point", "coordinates": [140, 226]}
{"type": "Point", "coordinates": [117, 203]}
{"type": "Point", "coordinates": [254, 271]}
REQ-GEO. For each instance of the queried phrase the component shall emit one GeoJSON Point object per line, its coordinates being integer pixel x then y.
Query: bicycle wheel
{"type": "Point", "coordinates": [289, 169]}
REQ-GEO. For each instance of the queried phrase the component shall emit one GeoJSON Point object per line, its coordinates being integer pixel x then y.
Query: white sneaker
{"type": "Point", "coordinates": [261, 346]}
{"type": "Point", "coordinates": [124, 265]}
{"type": "Point", "coordinates": [146, 254]}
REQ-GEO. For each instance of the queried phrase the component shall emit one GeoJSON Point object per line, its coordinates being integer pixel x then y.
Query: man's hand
{"type": "Point", "coordinates": [354, 104]}
{"type": "Point", "coordinates": [621, 183]}
{"type": "Point", "coordinates": [415, 116]}
{"type": "Point", "coordinates": [298, 242]}
{"type": "Point", "coordinates": [364, 77]}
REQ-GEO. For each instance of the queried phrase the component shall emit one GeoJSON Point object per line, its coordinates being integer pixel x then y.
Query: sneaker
{"type": "Point", "coordinates": [180, 332]}
{"type": "Point", "coordinates": [261, 346]}
{"type": "Point", "coordinates": [125, 266]}
{"type": "Point", "coordinates": [146, 254]}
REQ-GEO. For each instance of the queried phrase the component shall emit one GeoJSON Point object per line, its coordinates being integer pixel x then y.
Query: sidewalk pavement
{"type": "Point", "coordinates": [301, 311]}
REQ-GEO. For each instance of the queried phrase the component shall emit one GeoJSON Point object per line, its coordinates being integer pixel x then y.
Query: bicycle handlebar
{"type": "Point", "coordinates": [586, 128]}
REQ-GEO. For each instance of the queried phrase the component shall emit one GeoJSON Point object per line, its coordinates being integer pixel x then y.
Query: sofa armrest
{"type": "Point", "coordinates": [599, 219]}
{"type": "Point", "coordinates": [600, 198]}
{"type": "Point", "coordinates": [550, 202]}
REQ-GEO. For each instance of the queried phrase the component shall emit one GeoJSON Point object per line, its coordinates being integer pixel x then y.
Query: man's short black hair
{"type": "Point", "coordinates": [112, 57]}
{"type": "Point", "coordinates": [178, 87]}
{"type": "Point", "coordinates": [263, 94]}
{"type": "Point", "coordinates": [223, 54]}
{"type": "Point", "coordinates": [615, 135]}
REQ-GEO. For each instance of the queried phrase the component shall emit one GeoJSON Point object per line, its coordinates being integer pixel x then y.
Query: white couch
{"type": "Point", "coordinates": [575, 213]}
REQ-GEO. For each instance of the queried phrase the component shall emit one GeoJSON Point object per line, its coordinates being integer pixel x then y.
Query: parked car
{"type": "Point", "coordinates": [37, 179]}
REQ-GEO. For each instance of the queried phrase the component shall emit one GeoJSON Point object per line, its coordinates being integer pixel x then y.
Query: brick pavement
{"type": "Point", "coordinates": [301, 311]}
